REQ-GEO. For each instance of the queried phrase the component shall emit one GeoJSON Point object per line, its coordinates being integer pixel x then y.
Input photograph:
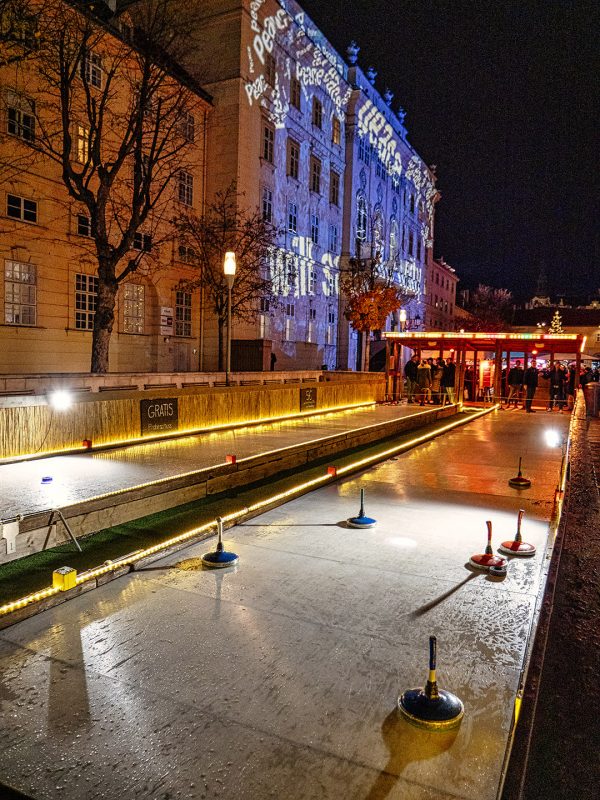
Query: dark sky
{"type": "Point", "coordinates": [503, 97]}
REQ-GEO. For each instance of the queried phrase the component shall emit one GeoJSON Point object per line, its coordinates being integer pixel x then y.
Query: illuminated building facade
{"type": "Point", "coordinates": [280, 96]}
{"type": "Point", "coordinates": [48, 290]}
{"type": "Point", "coordinates": [439, 296]}
{"type": "Point", "coordinates": [389, 202]}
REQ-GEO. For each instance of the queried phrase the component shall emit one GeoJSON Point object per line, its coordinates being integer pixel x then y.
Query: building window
{"type": "Point", "coordinates": [290, 272]}
{"type": "Point", "coordinates": [270, 69]}
{"type": "Point", "coordinates": [334, 188]}
{"type": "Point", "coordinates": [317, 112]}
{"type": "Point", "coordinates": [314, 228]}
{"type": "Point", "coordinates": [82, 143]}
{"type": "Point", "coordinates": [330, 333]}
{"type": "Point", "coordinates": [393, 239]}
{"type": "Point", "coordinates": [91, 69]}
{"type": "Point", "coordinates": [142, 241]}
{"type": "Point", "coordinates": [187, 254]}
{"type": "Point", "coordinates": [183, 314]}
{"type": "Point", "coordinates": [290, 313]}
{"type": "Point", "coordinates": [267, 204]}
{"type": "Point", "coordinates": [293, 164]}
{"type": "Point", "coordinates": [412, 203]}
{"type": "Point", "coordinates": [20, 208]}
{"type": "Point", "coordinates": [19, 293]}
{"type": "Point", "coordinates": [411, 243]}
{"type": "Point", "coordinates": [86, 301]}
{"type": "Point", "coordinates": [336, 131]}
{"type": "Point", "coordinates": [437, 278]}
{"type": "Point", "coordinates": [292, 217]}
{"type": "Point", "coordinates": [295, 93]}
{"type": "Point", "coordinates": [364, 150]}
{"type": "Point", "coordinates": [331, 285]}
{"type": "Point", "coordinates": [133, 308]}
{"type": "Point", "coordinates": [361, 218]}
{"type": "Point", "coordinates": [419, 251]}
{"type": "Point", "coordinates": [84, 225]}
{"type": "Point", "coordinates": [268, 141]}
{"type": "Point", "coordinates": [185, 188]}
{"type": "Point", "coordinates": [315, 175]}
{"type": "Point", "coordinates": [21, 116]}
{"type": "Point", "coordinates": [188, 127]}
{"type": "Point", "coordinates": [312, 317]}
{"type": "Point", "coordinates": [312, 281]}
{"type": "Point", "coordinates": [333, 238]}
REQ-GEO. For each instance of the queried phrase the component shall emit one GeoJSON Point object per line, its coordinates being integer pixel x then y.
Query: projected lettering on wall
{"type": "Point", "coordinates": [308, 59]}
{"type": "Point", "coordinates": [373, 124]}
{"type": "Point", "coordinates": [290, 271]}
{"type": "Point", "coordinates": [417, 174]}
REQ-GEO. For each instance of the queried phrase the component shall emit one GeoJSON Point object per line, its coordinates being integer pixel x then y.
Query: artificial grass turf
{"type": "Point", "coordinates": [26, 575]}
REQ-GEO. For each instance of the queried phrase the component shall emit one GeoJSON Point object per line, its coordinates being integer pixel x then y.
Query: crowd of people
{"type": "Point", "coordinates": [430, 380]}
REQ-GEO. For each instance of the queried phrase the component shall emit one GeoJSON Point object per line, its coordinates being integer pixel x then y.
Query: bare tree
{"type": "Point", "coordinates": [491, 308]}
{"type": "Point", "coordinates": [119, 117]}
{"type": "Point", "coordinates": [19, 30]}
{"type": "Point", "coordinates": [227, 226]}
{"type": "Point", "coordinates": [372, 294]}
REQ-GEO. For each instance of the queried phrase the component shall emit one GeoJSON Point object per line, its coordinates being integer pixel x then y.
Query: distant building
{"type": "Point", "coordinates": [583, 320]}
{"type": "Point", "coordinates": [439, 306]}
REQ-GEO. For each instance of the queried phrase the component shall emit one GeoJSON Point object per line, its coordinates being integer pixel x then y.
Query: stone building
{"type": "Point", "coordinates": [388, 204]}
{"type": "Point", "coordinates": [277, 131]}
{"type": "Point", "coordinates": [48, 294]}
{"type": "Point", "coordinates": [439, 307]}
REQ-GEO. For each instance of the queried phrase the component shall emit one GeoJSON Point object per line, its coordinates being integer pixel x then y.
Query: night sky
{"type": "Point", "coordinates": [503, 97]}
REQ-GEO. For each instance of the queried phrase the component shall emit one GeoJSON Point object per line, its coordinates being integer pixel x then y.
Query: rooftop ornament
{"type": "Point", "coordinates": [352, 52]}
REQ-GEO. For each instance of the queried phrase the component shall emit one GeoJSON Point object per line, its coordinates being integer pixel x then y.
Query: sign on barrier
{"type": "Point", "coordinates": [159, 415]}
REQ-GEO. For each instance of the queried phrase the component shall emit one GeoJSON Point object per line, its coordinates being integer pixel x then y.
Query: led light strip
{"type": "Point", "coordinates": [300, 488]}
{"type": "Point", "coordinates": [149, 439]}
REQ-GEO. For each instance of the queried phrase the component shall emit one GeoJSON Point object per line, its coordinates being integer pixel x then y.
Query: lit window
{"type": "Point", "coordinates": [292, 217]}
{"type": "Point", "coordinates": [185, 191]}
{"type": "Point", "coordinates": [91, 69]}
{"type": "Point", "coordinates": [295, 92]}
{"type": "Point", "coordinates": [317, 113]}
{"type": "Point", "coordinates": [86, 301]}
{"type": "Point", "coordinates": [334, 188]}
{"type": "Point", "coordinates": [21, 116]}
{"type": "Point", "coordinates": [315, 175]}
{"type": "Point", "coordinates": [293, 158]}
{"type": "Point", "coordinates": [84, 225]}
{"type": "Point", "coordinates": [268, 142]}
{"type": "Point", "coordinates": [20, 208]}
{"type": "Point", "coordinates": [19, 293]}
{"type": "Point", "coordinates": [314, 228]}
{"type": "Point", "coordinates": [336, 131]}
{"type": "Point", "coordinates": [82, 143]}
{"type": "Point", "coordinates": [267, 204]}
{"type": "Point", "coordinates": [133, 308]}
{"type": "Point", "coordinates": [142, 241]}
{"type": "Point", "coordinates": [183, 314]}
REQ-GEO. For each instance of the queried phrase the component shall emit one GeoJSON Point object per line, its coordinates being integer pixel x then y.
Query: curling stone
{"type": "Point", "coordinates": [431, 708]}
{"type": "Point", "coordinates": [361, 521]}
{"type": "Point", "coordinates": [498, 572]}
{"type": "Point", "coordinates": [220, 557]}
{"type": "Point", "coordinates": [518, 547]}
{"type": "Point", "coordinates": [519, 482]}
{"type": "Point", "coordinates": [487, 559]}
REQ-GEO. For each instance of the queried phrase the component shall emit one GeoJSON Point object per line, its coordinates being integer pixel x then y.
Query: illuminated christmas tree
{"type": "Point", "coordinates": [556, 324]}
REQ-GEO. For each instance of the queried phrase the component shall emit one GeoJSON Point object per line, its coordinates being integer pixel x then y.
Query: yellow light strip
{"type": "Point", "coordinates": [581, 349]}
{"type": "Point", "coordinates": [149, 438]}
{"type": "Point", "coordinates": [234, 515]}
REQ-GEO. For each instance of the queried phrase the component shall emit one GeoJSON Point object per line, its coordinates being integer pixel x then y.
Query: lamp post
{"type": "Point", "coordinates": [229, 267]}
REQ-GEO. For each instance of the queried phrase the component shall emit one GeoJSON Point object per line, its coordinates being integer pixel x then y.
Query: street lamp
{"type": "Point", "coordinates": [402, 319]}
{"type": "Point", "coordinates": [229, 267]}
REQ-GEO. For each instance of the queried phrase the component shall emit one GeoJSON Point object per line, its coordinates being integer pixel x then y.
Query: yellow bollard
{"type": "Point", "coordinates": [64, 578]}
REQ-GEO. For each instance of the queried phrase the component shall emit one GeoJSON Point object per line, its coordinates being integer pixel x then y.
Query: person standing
{"type": "Point", "coordinates": [448, 379]}
{"type": "Point", "coordinates": [554, 378]}
{"type": "Point", "coordinates": [530, 381]}
{"type": "Point", "coordinates": [515, 383]}
{"type": "Point", "coordinates": [424, 381]}
{"type": "Point", "coordinates": [410, 373]}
